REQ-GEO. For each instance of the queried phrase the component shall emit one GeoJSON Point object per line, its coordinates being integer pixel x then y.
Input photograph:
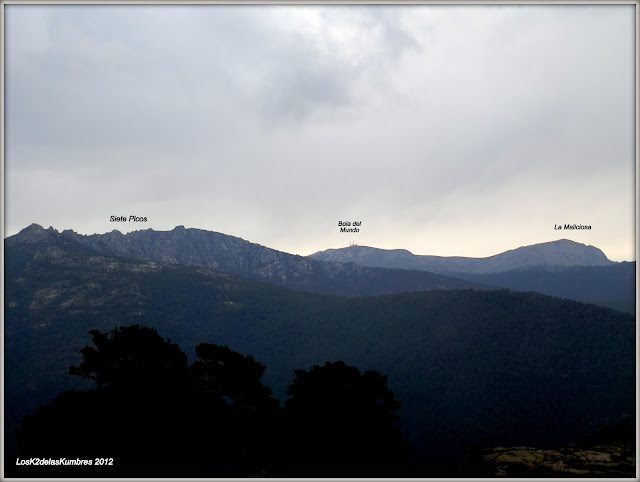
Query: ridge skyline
{"type": "Point", "coordinates": [343, 248]}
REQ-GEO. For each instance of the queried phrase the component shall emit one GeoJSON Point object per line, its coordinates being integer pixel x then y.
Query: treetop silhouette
{"type": "Point", "coordinates": [230, 377]}
{"type": "Point", "coordinates": [132, 358]}
{"type": "Point", "coordinates": [346, 420]}
{"type": "Point", "coordinates": [158, 417]}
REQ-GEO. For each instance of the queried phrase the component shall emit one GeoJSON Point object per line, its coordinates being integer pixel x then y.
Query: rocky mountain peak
{"type": "Point", "coordinates": [562, 252]}
{"type": "Point", "coordinates": [34, 234]}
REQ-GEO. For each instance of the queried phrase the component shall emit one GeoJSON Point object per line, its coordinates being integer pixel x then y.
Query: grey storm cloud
{"type": "Point", "coordinates": [166, 74]}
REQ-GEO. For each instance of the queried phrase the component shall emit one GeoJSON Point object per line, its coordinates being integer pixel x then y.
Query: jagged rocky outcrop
{"type": "Point", "coordinates": [612, 460]}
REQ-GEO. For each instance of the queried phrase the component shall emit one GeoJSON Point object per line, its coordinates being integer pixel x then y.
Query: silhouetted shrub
{"type": "Point", "coordinates": [341, 424]}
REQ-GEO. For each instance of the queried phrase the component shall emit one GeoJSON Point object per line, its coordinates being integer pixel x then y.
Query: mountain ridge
{"type": "Point", "coordinates": [562, 252]}
{"type": "Point", "coordinates": [591, 255]}
{"type": "Point", "coordinates": [560, 268]}
{"type": "Point", "coordinates": [232, 255]}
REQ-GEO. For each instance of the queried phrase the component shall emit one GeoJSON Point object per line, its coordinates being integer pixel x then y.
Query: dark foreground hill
{"type": "Point", "coordinates": [472, 368]}
{"type": "Point", "coordinates": [231, 255]}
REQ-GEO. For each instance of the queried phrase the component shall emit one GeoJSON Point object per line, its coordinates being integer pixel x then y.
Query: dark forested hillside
{"type": "Point", "coordinates": [613, 284]}
{"type": "Point", "coordinates": [471, 368]}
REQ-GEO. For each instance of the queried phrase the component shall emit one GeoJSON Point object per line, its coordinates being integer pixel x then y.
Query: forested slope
{"type": "Point", "coordinates": [470, 367]}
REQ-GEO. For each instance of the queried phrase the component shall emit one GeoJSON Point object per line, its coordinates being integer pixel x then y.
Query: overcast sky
{"type": "Point", "coordinates": [445, 130]}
